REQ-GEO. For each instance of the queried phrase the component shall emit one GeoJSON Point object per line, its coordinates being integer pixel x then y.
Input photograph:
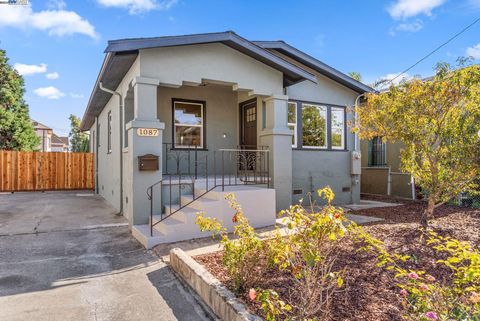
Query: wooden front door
{"type": "Point", "coordinates": [248, 128]}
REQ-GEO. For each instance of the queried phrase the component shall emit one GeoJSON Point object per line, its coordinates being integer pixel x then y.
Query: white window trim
{"type": "Point", "coordinates": [325, 109]}
{"type": "Point", "coordinates": [343, 127]}
{"type": "Point", "coordinates": [175, 124]}
{"type": "Point", "coordinates": [294, 125]}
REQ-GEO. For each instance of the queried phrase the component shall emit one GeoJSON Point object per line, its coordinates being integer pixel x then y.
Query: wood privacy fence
{"type": "Point", "coordinates": [40, 171]}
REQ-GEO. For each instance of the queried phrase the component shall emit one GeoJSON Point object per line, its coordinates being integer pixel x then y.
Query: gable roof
{"type": "Point", "coordinates": [38, 125]}
{"type": "Point", "coordinates": [121, 54]}
{"type": "Point", "coordinates": [59, 140]}
{"type": "Point", "coordinates": [330, 72]}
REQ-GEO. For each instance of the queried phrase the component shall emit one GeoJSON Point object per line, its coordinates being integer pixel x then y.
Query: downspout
{"type": "Point", "coordinates": [96, 154]}
{"type": "Point", "coordinates": [357, 122]}
{"type": "Point", "coordinates": [121, 139]}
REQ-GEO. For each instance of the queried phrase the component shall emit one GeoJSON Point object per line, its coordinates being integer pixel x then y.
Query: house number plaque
{"type": "Point", "coordinates": [147, 132]}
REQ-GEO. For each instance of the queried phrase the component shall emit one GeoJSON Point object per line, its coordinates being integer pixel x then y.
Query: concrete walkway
{"type": "Point", "coordinates": [69, 257]}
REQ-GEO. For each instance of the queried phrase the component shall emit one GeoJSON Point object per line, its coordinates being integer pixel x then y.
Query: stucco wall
{"type": "Point", "coordinates": [221, 117]}
{"type": "Point", "coordinates": [174, 65]}
{"type": "Point", "coordinates": [109, 163]}
{"type": "Point", "coordinates": [319, 168]}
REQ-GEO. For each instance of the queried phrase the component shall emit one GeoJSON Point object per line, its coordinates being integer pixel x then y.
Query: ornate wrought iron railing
{"type": "Point", "coordinates": [244, 165]}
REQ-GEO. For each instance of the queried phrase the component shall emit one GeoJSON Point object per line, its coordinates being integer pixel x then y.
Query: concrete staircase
{"type": "Point", "coordinates": [258, 204]}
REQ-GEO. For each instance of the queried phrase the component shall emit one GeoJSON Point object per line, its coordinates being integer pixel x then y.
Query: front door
{"type": "Point", "coordinates": [248, 128]}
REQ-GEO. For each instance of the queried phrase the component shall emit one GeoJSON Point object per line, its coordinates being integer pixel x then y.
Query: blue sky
{"type": "Point", "coordinates": [58, 45]}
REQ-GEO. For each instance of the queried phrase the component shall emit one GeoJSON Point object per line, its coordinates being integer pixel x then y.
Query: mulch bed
{"type": "Point", "coordinates": [370, 292]}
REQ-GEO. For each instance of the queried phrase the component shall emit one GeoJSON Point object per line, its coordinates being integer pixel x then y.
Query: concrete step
{"type": "Point", "coordinates": [198, 204]}
{"type": "Point", "coordinates": [142, 234]}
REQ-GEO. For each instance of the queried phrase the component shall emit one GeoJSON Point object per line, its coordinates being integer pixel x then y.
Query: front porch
{"type": "Point", "coordinates": [212, 142]}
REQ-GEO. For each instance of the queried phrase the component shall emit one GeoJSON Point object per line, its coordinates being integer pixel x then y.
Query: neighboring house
{"type": "Point", "coordinates": [59, 144]}
{"type": "Point", "coordinates": [45, 135]}
{"type": "Point", "coordinates": [381, 173]}
{"type": "Point", "coordinates": [221, 113]}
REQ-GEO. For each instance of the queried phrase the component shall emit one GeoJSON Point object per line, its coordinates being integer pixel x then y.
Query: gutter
{"type": "Point", "coordinates": [100, 85]}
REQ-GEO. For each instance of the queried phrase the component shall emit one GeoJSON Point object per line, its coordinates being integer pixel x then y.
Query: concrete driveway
{"type": "Point", "coordinates": [68, 256]}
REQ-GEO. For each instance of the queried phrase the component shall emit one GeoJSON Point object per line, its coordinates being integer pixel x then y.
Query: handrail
{"type": "Point", "coordinates": [246, 163]}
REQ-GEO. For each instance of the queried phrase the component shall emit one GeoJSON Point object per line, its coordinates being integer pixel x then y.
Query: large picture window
{"type": "Point", "coordinates": [188, 129]}
{"type": "Point", "coordinates": [314, 126]}
{"type": "Point", "coordinates": [338, 128]}
{"type": "Point", "coordinates": [292, 121]}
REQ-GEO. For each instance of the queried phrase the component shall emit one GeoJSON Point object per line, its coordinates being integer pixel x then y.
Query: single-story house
{"type": "Point", "coordinates": [381, 170]}
{"type": "Point", "coordinates": [177, 121]}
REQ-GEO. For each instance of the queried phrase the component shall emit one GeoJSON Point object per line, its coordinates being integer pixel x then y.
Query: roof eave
{"type": "Point", "coordinates": [315, 64]}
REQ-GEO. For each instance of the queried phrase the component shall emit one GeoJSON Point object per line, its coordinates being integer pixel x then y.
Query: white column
{"type": "Point", "coordinates": [145, 116]}
{"type": "Point", "coordinates": [278, 137]}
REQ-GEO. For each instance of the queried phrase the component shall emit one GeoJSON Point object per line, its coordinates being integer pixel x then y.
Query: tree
{"type": "Point", "coordinates": [355, 75]}
{"type": "Point", "coordinates": [438, 120]}
{"type": "Point", "coordinates": [78, 139]}
{"type": "Point", "coordinates": [16, 129]}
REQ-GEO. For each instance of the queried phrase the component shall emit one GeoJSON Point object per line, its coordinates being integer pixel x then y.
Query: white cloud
{"type": "Point", "coordinates": [410, 27]}
{"type": "Point", "coordinates": [52, 75]}
{"type": "Point", "coordinates": [26, 70]}
{"type": "Point", "coordinates": [76, 96]}
{"type": "Point", "coordinates": [56, 4]}
{"type": "Point", "coordinates": [56, 22]}
{"type": "Point", "coordinates": [402, 9]}
{"type": "Point", "coordinates": [474, 51]}
{"type": "Point", "coordinates": [139, 6]}
{"type": "Point", "coordinates": [384, 81]}
{"type": "Point", "coordinates": [49, 92]}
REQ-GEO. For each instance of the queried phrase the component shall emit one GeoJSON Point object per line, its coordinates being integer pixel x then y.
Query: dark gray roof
{"type": "Point", "coordinates": [307, 60]}
{"type": "Point", "coordinates": [121, 54]}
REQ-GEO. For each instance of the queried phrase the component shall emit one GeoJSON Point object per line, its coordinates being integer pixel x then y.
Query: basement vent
{"type": "Point", "coordinates": [298, 191]}
{"type": "Point", "coordinates": [346, 189]}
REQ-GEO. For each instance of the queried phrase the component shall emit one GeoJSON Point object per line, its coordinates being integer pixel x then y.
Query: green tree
{"type": "Point", "coordinates": [16, 129]}
{"type": "Point", "coordinates": [78, 139]}
{"type": "Point", "coordinates": [314, 125]}
{"type": "Point", "coordinates": [355, 75]}
{"type": "Point", "coordinates": [438, 121]}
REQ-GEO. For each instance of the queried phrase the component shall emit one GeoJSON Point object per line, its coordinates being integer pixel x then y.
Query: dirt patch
{"type": "Point", "coordinates": [370, 292]}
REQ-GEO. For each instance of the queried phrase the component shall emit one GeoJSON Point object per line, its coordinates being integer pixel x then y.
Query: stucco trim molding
{"type": "Point", "coordinates": [140, 123]}
{"type": "Point", "coordinates": [276, 132]}
{"type": "Point", "coordinates": [276, 97]}
{"type": "Point", "coordinates": [145, 81]}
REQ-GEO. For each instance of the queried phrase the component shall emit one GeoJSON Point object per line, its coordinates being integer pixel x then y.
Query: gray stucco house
{"type": "Point", "coordinates": [176, 122]}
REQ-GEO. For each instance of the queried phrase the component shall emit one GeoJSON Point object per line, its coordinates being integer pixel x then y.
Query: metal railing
{"type": "Point", "coordinates": [243, 165]}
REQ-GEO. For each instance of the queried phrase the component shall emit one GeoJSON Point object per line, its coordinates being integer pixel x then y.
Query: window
{"type": "Point", "coordinates": [292, 121]}
{"type": "Point", "coordinates": [314, 126]}
{"type": "Point", "coordinates": [338, 128]}
{"type": "Point", "coordinates": [188, 129]}
{"type": "Point", "coordinates": [109, 138]}
{"type": "Point", "coordinates": [377, 152]}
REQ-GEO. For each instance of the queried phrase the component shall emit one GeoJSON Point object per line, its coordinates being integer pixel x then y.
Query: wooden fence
{"type": "Point", "coordinates": [41, 171]}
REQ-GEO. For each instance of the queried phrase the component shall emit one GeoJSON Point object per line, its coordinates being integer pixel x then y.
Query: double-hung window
{"type": "Point", "coordinates": [292, 121]}
{"type": "Point", "coordinates": [338, 128]}
{"type": "Point", "coordinates": [188, 128]}
{"type": "Point", "coordinates": [314, 126]}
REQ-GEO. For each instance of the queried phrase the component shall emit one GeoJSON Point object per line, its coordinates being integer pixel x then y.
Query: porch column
{"type": "Point", "coordinates": [145, 116]}
{"type": "Point", "coordinates": [278, 137]}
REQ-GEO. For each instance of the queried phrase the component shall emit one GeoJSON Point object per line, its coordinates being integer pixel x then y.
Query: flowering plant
{"type": "Point", "coordinates": [425, 297]}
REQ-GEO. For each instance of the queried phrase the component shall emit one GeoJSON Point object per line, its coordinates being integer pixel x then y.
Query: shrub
{"type": "Point", "coordinates": [426, 298]}
{"type": "Point", "coordinates": [303, 249]}
{"type": "Point", "coordinates": [242, 255]}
